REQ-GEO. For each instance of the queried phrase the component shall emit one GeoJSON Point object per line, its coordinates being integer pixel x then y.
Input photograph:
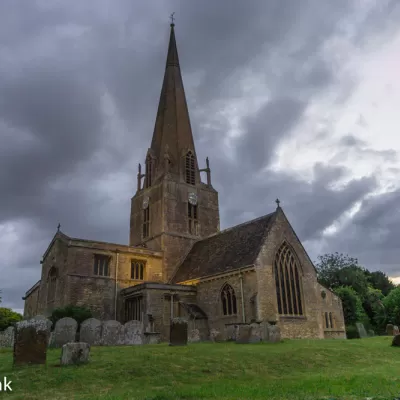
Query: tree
{"type": "Point", "coordinates": [379, 280]}
{"type": "Point", "coordinates": [79, 314]}
{"type": "Point", "coordinates": [8, 318]}
{"type": "Point", "coordinates": [352, 305]}
{"type": "Point", "coordinates": [392, 305]}
{"type": "Point", "coordinates": [337, 270]}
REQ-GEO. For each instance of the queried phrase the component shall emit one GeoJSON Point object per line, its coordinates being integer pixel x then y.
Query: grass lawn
{"type": "Point", "coordinates": [293, 369]}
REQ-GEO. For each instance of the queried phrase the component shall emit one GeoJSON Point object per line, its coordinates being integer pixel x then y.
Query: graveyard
{"type": "Point", "coordinates": [290, 369]}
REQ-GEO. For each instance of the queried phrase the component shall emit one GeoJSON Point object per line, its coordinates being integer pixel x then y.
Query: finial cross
{"type": "Point", "coordinates": [172, 17]}
{"type": "Point", "coordinates": [277, 201]}
{"type": "Point", "coordinates": [58, 227]}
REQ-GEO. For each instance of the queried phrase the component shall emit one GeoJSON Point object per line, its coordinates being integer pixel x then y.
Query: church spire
{"type": "Point", "coordinates": [172, 137]}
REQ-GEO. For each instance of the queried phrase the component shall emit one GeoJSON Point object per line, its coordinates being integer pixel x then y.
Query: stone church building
{"type": "Point", "coordinates": [178, 261]}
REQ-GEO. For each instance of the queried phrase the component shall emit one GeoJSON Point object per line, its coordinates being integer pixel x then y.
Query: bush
{"type": "Point", "coordinates": [352, 332]}
{"type": "Point", "coordinates": [352, 305]}
{"type": "Point", "coordinates": [8, 318]}
{"type": "Point", "coordinates": [392, 306]}
{"type": "Point", "coordinates": [79, 314]}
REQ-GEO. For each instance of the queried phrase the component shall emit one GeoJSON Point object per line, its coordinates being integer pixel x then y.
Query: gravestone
{"type": "Point", "coordinates": [178, 332]}
{"type": "Point", "coordinates": [194, 336]}
{"type": "Point", "coordinates": [230, 332]}
{"type": "Point", "coordinates": [133, 333]}
{"type": "Point", "coordinates": [256, 333]}
{"type": "Point", "coordinates": [273, 333]}
{"type": "Point", "coordinates": [216, 336]}
{"type": "Point", "coordinates": [243, 334]}
{"type": "Point", "coordinates": [7, 337]}
{"type": "Point", "coordinates": [64, 331]}
{"type": "Point", "coordinates": [396, 341]}
{"type": "Point", "coordinates": [75, 353]}
{"type": "Point", "coordinates": [90, 332]}
{"type": "Point", "coordinates": [112, 333]}
{"type": "Point", "coordinates": [389, 329]}
{"type": "Point", "coordinates": [30, 342]}
{"type": "Point", "coordinates": [396, 330]}
{"type": "Point", "coordinates": [361, 330]}
{"type": "Point", "coordinates": [43, 318]}
{"type": "Point", "coordinates": [151, 337]}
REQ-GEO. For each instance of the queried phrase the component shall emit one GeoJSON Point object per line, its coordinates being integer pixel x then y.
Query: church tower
{"type": "Point", "coordinates": [172, 208]}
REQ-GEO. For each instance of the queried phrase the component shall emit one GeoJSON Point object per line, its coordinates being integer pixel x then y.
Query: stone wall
{"type": "Point", "coordinates": [31, 301]}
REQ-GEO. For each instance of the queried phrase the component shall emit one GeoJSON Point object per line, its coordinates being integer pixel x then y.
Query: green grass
{"type": "Point", "coordinates": [293, 369]}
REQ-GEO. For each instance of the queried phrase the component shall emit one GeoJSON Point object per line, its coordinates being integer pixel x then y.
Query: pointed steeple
{"type": "Point", "coordinates": [172, 137]}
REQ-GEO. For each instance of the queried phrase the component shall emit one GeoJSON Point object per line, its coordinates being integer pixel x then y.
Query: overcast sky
{"type": "Point", "coordinates": [291, 99]}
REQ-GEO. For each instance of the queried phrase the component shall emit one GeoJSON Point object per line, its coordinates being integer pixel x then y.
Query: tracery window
{"type": "Point", "coordinates": [192, 219]}
{"type": "Point", "coordinates": [137, 269]}
{"type": "Point", "coordinates": [228, 299]}
{"type": "Point", "coordinates": [288, 282]}
{"type": "Point", "coordinates": [51, 285]}
{"type": "Point", "coordinates": [190, 169]}
{"type": "Point", "coordinates": [146, 222]}
{"type": "Point", "coordinates": [101, 265]}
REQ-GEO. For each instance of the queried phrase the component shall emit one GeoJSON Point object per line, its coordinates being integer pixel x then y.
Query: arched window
{"type": "Point", "coordinates": [331, 320]}
{"type": "Point", "coordinates": [326, 320]}
{"type": "Point", "coordinates": [148, 177]}
{"type": "Point", "coordinates": [51, 285]}
{"type": "Point", "coordinates": [190, 169]}
{"type": "Point", "coordinates": [288, 282]}
{"type": "Point", "coordinates": [228, 299]}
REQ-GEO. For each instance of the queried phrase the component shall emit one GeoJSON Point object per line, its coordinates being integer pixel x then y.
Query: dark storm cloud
{"type": "Point", "coordinates": [79, 87]}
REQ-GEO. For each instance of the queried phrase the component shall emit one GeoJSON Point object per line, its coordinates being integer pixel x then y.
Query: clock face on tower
{"type": "Point", "coordinates": [192, 198]}
{"type": "Point", "coordinates": [145, 202]}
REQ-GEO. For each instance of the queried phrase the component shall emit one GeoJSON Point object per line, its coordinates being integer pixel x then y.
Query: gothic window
{"type": "Point", "coordinates": [330, 320]}
{"type": "Point", "coordinates": [190, 169]}
{"type": "Point", "coordinates": [228, 299]}
{"type": "Point", "coordinates": [133, 309]}
{"type": "Point", "coordinates": [192, 219]}
{"type": "Point", "coordinates": [137, 269]}
{"type": "Point", "coordinates": [326, 320]}
{"type": "Point", "coordinates": [146, 222]}
{"type": "Point", "coordinates": [149, 172]}
{"type": "Point", "coordinates": [51, 285]}
{"type": "Point", "coordinates": [288, 282]}
{"type": "Point", "coordinates": [101, 265]}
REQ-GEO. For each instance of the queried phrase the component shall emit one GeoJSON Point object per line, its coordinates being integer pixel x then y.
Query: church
{"type": "Point", "coordinates": [178, 262]}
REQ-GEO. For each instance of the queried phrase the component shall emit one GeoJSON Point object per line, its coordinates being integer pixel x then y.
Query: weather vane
{"type": "Point", "coordinates": [172, 18]}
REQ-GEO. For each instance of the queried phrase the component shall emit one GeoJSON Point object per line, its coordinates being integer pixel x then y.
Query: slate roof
{"type": "Point", "coordinates": [233, 248]}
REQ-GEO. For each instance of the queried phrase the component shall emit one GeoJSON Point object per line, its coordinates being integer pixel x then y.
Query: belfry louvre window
{"type": "Point", "coordinates": [228, 299]}
{"type": "Point", "coordinates": [51, 285]}
{"type": "Point", "coordinates": [101, 265]}
{"type": "Point", "coordinates": [133, 309]}
{"type": "Point", "coordinates": [190, 169]}
{"type": "Point", "coordinates": [288, 282]}
{"type": "Point", "coordinates": [149, 172]}
{"type": "Point", "coordinates": [192, 219]}
{"type": "Point", "coordinates": [146, 222]}
{"type": "Point", "coordinates": [137, 269]}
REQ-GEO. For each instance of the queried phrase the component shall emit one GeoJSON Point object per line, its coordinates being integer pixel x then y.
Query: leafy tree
{"type": "Point", "coordinates": [375, 309]}
{"type": "Point", "coordinates": [392, 305]}
{"type": "Point", "coordinates": [352, 305]}
{"type": "Point", "coordinates": [337, 270]}
{"type": "Point", "coordinates": [8, 318]}
{"type": "Point", "coordinates": [79, 314]}
{"type": "Point", "coordinates": [379, 280]}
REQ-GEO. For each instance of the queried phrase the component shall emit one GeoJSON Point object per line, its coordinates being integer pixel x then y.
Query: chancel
{"type": "Point", "coordinates": [178, 262]}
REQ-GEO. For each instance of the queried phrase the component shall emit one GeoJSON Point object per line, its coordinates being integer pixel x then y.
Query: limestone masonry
{"type": "Point", "coordinates": [178, 263]}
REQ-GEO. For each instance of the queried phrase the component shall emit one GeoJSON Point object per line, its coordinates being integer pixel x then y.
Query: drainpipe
{"type": "Point", "coordinates": [116, 284]}
{"type": "Point", "coordinates": [241, 291]}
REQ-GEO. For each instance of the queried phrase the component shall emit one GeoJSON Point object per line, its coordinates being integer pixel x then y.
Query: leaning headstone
{"type": "Point", "coordinates": [243, 334]}
{"type": "Point", "coordinates": [64, 331]}
{"type": "Point", "coordinates": [30, 343]}
{"type": "Point", "coordinates": [90, 332]}
{"type": "Point", "coordinates": [75, 353]}
{"type": "Point", "coordinates": [133, 333]}
{"type": "Point", "coordinates": [396, 330]}
{"type": "Point", "coordinates": [361, 330]}
{"type": "Point", "coordinates": [178, 332]}
{"type": "Point", "coordinates": [396, 341]}
{"type": "Point", "coordinates": [216, 336]}
{"type": "Point", "coordinates": [389, 329]}
{"type": "Point", "coordinates": [371, 333]}
{"type": "Point", "coordinates": [7, 337]}
{"type": "Point", "coordinates": [274, 333]}
{"type": "Point", "coordinates": [194, 336]}
{"type": "Point", "coordinates": [112, 333]}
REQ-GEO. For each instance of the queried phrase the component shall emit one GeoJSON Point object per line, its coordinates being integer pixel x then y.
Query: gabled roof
{"type": "Point", "coordinates": [233, 248]}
